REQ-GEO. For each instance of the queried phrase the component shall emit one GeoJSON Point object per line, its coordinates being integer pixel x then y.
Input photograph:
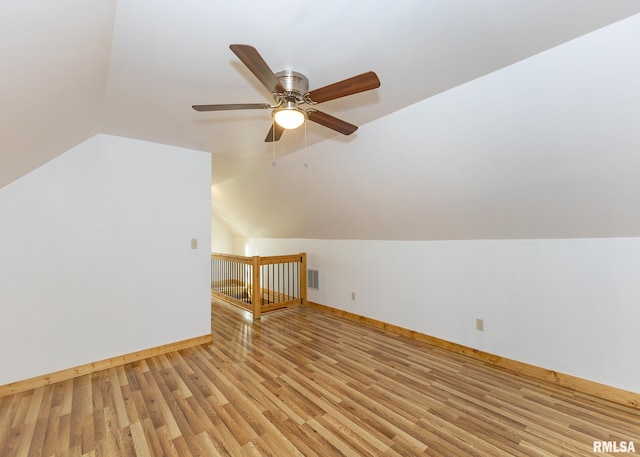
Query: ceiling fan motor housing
{"type": "Point", "coordinates": [295, 85]}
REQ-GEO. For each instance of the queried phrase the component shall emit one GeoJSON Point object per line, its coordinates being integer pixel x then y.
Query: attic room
{"type": "Point", "coordinates": [493, 176]}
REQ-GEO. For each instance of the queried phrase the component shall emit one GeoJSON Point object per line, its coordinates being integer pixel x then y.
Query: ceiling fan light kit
{"type": "Point", "coordinates": [289, 117]}
{"type": "Point", "coordinates": [290, 89]}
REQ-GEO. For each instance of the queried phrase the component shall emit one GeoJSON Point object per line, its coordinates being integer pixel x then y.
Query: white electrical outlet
{"type": "Point", "coordinates": [194, 243]}
{"type": "Point", "coordinates": [353, 295]}
{"type": "Point", "coordinates": [480, 325]}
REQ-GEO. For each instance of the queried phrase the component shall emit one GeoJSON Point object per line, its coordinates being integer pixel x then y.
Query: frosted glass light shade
{"type": "Point", "coordinates": [289, 118]}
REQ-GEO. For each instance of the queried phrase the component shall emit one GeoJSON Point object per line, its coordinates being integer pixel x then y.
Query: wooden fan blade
{"type": "Point", "coordinates": [332, 122]}
{"type": "Point", "coordinates": [254, 62]}
{"type": "Point", "coordinates": [231, 106]}
{"type": "Point", "coordinates": [274, 133]}
{"type": "Point", "coordinates": [354, 85]}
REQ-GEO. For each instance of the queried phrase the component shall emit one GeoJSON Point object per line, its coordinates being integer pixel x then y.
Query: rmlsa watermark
{"type": "Point", "coordinates": [614, 446]}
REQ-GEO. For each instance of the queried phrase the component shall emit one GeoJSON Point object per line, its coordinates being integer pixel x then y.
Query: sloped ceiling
{"type": "Point", "coordinates": [54, 67]}
{"type": "Point", "coordinates": [546, 148]}
{"type": "Point", "coordinates": [134, 68]}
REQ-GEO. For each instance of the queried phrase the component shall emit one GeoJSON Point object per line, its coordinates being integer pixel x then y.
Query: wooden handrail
{"type": "Point", "coordinates": [232, 258]}
{"type": "Point", "coordinates": [264, 260]}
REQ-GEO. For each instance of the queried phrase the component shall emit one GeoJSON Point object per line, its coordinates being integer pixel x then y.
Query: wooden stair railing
{"type": "Point", "coordinates": [260, 284]}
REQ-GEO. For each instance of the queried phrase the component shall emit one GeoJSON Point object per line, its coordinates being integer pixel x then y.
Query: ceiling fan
{"type": "Point", "coordinates": [290, 89]}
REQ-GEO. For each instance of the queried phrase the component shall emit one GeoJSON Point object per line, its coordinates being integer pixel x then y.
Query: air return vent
{"type": "Point", "coordinates": [313, 279]}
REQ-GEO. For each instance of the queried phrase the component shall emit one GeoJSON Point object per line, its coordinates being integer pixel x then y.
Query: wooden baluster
{"type": "Point", "coordinates": [303, 278]}
{"type": "Point", "coordinates": [256, 294]}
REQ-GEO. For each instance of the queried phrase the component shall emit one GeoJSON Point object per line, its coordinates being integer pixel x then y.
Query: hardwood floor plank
{"type": "Point", "coordinates": [12, 412]}
{"type": "Point", "coordinates": [343, 446]}
{"type": "Point", "coordinates": [304, 382]}
{"type": "Point", "coordinates": [225, 442]}
{"type": "Point", "coordinates": [300, 436]}
{"type": "Point", "coordinates": [11, 440]}
{"type": "Point", "coordinates": [274, 445]}
{"type": "Point", "coordinates": [155, 404]}
{"type": "Point", "coordinates": [26, 433]}
{"type": "Point", "coordinates": [117, 398]}
{"type": "Point", "coordinates": [384, 420]}
{"type": "Point", "coordinates": [18, 412]}
{"type": "Point", "coordinates": [352, 433]}
{"type": "Point", "coordinates": [160, 442]}
{"type": "Point", "coordinates": [209, 447]}
{"type": "Point", "coordinates": [139, 440]}
{"type": "Point", "coordinates": [50, 437]}
{"type": "Point", "coordinates": [170, 412]}
{"type": "Point", "coordinates": [330, 409]}
{"type": "Point", "coordinates": [63, 434]}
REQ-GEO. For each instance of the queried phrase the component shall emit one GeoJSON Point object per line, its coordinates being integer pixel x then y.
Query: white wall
{"type": "Point", "coordinates": [96, 255]}
{"type": "Point", "coordinates": [222, 239]}
{"type": "Point", "coordinates": [569, 305]}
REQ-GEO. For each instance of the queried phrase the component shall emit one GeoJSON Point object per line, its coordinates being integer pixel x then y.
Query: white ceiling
{"type": "Point", "coordinates": [133, 68]}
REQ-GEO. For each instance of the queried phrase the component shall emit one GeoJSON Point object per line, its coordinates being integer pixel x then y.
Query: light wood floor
{"type": "Point", "coordinates": [303, 382]}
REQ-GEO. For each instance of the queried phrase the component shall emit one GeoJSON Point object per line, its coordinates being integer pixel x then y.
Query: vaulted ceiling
{"type": "Point", "coordinates": [425, 163]}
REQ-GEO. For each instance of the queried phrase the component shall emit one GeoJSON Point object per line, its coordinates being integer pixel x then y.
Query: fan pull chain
{"type": "Point", "coordinates": [273, 141]}
{"type": "Point", "coordinates": [306, 155]}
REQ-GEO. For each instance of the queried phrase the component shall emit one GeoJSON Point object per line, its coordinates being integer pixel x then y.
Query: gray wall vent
{"type": "Point", "coordinates": [313, 279]}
